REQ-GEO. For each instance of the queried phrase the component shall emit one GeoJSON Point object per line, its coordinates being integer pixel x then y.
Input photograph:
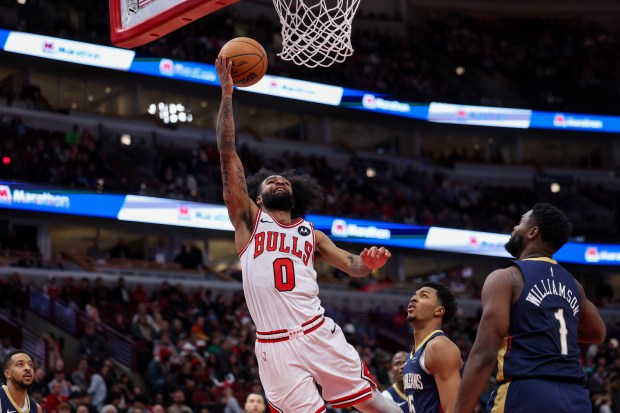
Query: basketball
{"type": "Point", "coordinates": [249, 60]}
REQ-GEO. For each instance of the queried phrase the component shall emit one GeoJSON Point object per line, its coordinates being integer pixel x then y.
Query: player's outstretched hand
{"type": "Point", "coordinates": [223, 67]}
{"type": "Point", "coordinates": [375, 257]}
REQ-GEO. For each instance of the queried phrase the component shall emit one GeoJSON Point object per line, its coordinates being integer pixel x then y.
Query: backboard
{"type": "Point", "coordinates": [137, 22]}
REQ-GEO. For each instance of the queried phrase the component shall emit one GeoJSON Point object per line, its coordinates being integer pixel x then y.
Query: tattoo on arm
{"type": "Point", "coordinates": [225, 129]}
{"type": "Point", "coordinates": [356, 267]}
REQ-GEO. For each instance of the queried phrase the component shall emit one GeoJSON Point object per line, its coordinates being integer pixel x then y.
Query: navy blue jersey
{"type": "Point", "coordinates": [542, 340]}
{"type": "Point", "coordinates": [8, 405]}
{"type": "Point", "coordinates": [420, 387]}
{"type": "Point", "coordinates": [398, 396]}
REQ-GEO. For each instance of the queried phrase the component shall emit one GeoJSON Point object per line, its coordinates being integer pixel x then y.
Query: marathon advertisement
{"type": "Point", "coordinates": [39, 198]}
{"type": "Point", "coordinates": [575, 122]}
{"type": "Point", "coordinates": [388, 234]}
{"type": "Point", "coordinates": [173, 212]}
{"type": "Point", "coordinates": [368, 101]}
{"type": "Point", "coordinates": [68, 51]}
{"type": "Point", "coordinates": [161, 211]}
{"type": "Point", "coordinates": [479, 115]}
{"type": "Point", "coordinates": [124, 60]}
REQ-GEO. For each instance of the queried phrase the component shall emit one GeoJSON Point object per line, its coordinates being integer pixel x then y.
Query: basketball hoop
{"type": "Point", "coordinates": [316, 34]}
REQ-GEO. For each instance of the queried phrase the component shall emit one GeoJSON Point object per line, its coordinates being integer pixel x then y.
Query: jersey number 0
{"type": "Point", "coordinates": [284, 274]}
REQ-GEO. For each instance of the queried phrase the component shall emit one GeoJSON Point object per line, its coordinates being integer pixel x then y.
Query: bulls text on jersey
{"type": "Point", "coordinates": [285, 243]}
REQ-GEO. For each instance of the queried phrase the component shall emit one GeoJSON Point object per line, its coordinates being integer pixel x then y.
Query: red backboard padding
{"type": "Point", "coordinates": [178, 15]}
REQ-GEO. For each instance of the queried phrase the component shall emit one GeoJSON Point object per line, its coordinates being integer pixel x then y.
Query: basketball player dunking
{"type": "Point", "coordinates": [297, 347]}
{"type": "Point", "coordinates": [19, 376]}
{"type": "Point", "coordinates": [534, 314]}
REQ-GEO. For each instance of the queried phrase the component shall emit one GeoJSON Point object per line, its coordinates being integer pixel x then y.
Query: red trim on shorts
{"type": "Point", "coordinates": [366, 375]}
{"type": "Point", "coordinates": [312, 320]}
{"type": "Point", "coordinates": [274, 409]}
{"type": "Point", "coordinates": [252, 235]}
{"type": "Point", "coordinates": [352, 399]}
{"type": "Point", "coordinates": [310, 330]}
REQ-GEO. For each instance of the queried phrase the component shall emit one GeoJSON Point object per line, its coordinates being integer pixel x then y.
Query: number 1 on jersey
{"type": "Point", "coordinates": [284, 274]}
{"type": "Point", "coordinates": [559, 315]}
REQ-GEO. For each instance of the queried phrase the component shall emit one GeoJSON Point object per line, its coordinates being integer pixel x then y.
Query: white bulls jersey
{"type": "Point", "coordinates": [279, 280]}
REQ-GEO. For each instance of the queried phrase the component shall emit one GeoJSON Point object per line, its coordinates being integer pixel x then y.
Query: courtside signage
{"type": "Point", "coordinates": [479, 115]}
{"type": "Point", "coordinates": [69, 51]}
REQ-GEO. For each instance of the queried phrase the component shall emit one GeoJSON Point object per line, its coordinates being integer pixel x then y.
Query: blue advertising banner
{"type": "Point", "coordinates": [151, 210]}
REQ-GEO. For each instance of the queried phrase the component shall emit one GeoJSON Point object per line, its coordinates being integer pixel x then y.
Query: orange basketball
{"type": "Point", "coordinates": [249, 60]}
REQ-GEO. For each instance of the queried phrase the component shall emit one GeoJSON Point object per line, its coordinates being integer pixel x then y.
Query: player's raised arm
{"type": "Point", "coordinates": [354, 265]}
{"type": "Point", "coordinates": [493, 327]}
{"type": "Point", "coordinates": [240, 208]}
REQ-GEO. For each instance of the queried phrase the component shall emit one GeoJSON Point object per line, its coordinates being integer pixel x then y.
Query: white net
{"type": "Point", "coordinates": [316, 32]}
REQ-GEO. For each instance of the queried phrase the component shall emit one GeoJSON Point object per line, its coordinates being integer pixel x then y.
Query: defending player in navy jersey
{"type": "Point", "coordinates": [396, 391]}
{"type": "Point", "coordinates": [297, 347]}
{"type": "Point", "coordinates": [534, 314]}
{"type": "Point", "coordinates": [432, 372]}
{"type": "Point", "coordinates": [19, 376]}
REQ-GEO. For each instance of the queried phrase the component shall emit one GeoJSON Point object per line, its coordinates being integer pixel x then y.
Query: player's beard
{"type": "Point", "coordinates": [411, 318]}
{"type": "Point", "coordinates": [282, 201]}
{"type": "Point", "coordinates": [514, 246]}
{"type": "Point", "coordinates": [22, 385]}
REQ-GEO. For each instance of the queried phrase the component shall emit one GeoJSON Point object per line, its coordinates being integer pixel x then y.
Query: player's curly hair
{"type": "Point", "coordinates": [446, 298]}
{"type": "Point", "coordinates": [553, 225]}
{"type": "Point", "coordinates": [309, 194]}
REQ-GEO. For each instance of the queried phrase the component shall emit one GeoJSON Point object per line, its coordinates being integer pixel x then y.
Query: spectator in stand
{"type": "Point", "coordinates": [121, 325]}
{"type": "Point", "coordinates": [230, 403]}
{"type": "Point", "coordinates": [190, 256]}
{"type": "Point", "coordinates": [161, 253]}
{"type": "Point", "coordinates": [69, 292]}
{"type": "Point", "coordinates": [140, 295]}
{"type": "Point", "coordinates": [92, 346]}
{"type": "Point", "coordinates": [84, 292]}
{"type": "Point", "coordinates": [120, 293]}
{"type": "Point", "coordinates": [52, 288]}
{"type": "Point", "coordinates": [179, 406]}
{"type": "Point", "coordinates": [98, 390]}
{"type": "Point", "coordinates": [39, 385]}
{"type": "Point", "coordinates": [92, 311]}
{"type": "Point", "coordinates": [141, 329]}
{"type": "Point", "coordinates": [255, 403]}
{"type": "Point", "coordinates": [121, 250]}
{"type": "Point", "coordinates": [54, 399]}
{"type": "Point", "coordinates": [64, 408]}
{"type": "Point", "coordinates": [6, 347]}
{"type": "Point", "coordinates": [109, 408]}
{"type": "Point", "coordinates": [95, 251]}
{"type": "Point", "coordinates": [79, 376]}
{"type": "Point", "coordinates": [101, 292]}
{"type": "Point", "coordinates": [64, 386]}
{"type": "Point", "coordinates": [158, 372]}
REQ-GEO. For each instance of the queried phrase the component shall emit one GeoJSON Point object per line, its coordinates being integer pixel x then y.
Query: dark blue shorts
{"type": "Point", "coordinates": [539, 396]}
